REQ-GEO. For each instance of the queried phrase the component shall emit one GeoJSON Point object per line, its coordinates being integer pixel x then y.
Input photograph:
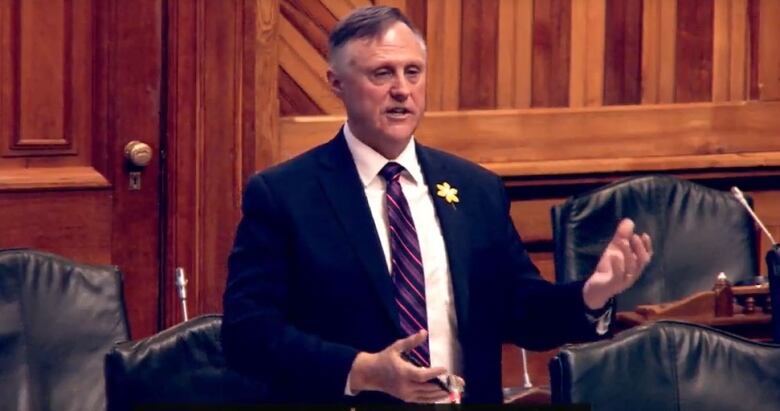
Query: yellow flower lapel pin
{"type": "Point", "coordinates": [448, 193]}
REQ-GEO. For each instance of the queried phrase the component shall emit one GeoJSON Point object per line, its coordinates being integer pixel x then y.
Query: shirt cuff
{"type": "Point", "coordinates": [347, 391]}
{"type": "Point", "coordinates": [602, 317]}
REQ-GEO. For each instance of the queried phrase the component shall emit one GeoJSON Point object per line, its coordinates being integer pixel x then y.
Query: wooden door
{"type": "Point", "coordinates": [79, 79]}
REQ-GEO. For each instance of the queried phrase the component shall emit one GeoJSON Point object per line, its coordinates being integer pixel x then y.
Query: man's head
{"type": "Point", "coordinates": [377, 68]}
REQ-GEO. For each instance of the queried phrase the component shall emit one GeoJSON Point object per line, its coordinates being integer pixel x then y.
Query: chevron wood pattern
{"type": "Point", "coordinates": [500, 54]}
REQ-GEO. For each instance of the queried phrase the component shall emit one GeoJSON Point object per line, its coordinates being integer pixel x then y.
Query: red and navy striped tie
{"type": "Point", "coordinates": [407, 269]}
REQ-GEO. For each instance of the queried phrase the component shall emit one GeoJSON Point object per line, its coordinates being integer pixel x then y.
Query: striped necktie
{"type": "Point", "coordinates": [407, 269]}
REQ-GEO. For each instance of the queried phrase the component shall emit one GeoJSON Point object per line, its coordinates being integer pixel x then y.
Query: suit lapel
{"type": "Point", "coordinates": [344, 190]}
{"type": "Point", "coordinates": [454, 228]}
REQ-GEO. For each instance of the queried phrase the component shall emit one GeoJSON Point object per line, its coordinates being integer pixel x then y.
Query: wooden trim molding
{"type": "Point", "coordinates": [52, 178]}
{"type": "Point", "coordinates": [587, 140]}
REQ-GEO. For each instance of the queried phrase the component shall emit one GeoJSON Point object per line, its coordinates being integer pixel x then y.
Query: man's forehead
{"type": "Point", "coordinates": [396, 36]}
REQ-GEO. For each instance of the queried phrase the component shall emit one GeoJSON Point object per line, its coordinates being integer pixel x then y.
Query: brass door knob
{"type": "Point", "coordinates": [138, 153]}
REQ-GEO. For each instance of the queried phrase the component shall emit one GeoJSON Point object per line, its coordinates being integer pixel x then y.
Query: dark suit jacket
{"type": "Point", "coordinates": [308, 285]}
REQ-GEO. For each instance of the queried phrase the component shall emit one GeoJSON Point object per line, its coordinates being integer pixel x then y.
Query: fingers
{"type": "Point", "coordinates": [408, 343]}
{"type": "Point", "coordinates": [429, 394]}
{"type": "Point", "coordinates": [629, 259]}
{"type": "Point", "coordinates": [421, 374]}
{"type": "Point", "coordinates": [640, 249]}
{"type": "Point", "coordinates": [648, 243]}
{"type": "Point", "coordinates": [624, 229]}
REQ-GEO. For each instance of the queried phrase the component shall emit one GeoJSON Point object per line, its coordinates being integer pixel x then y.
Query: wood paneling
{"type": "Point", "coordinates": [588, 140]}
{"type": "Point", "coordinates": [515, 43]}
{"type": "Point", "coordinates": [219, 133]}
{"type": "Point", "coordinates": [341, 8]}
{"type": "Point", "coordinates": [694, 51]}
{"type": "Point", "coordinates": [263, 122]}
{"type": "Point", "coordinates": [293, 100]}
{"type": "Point", "coordinates": [311, 19]}
{"type": "Point", "coordinates": [532, 218]}
{"type": "Point", "coordinates": [37, 120]}
{"type": "Point", "coordinates": [417, 11]}
{"type": "Point", "coordinates": [79, 80]}
{"type": "Point", "coordinates": [659, 28]}
{"type": "Point", "coordinates": [443, 87]}
{"type": "Point", "coordinates": [730, 46]}
{"type": "Point", "coordinates": [479, 37]}
{"type": "Point", "coordinates": [307, 67]}
{"type": "Point", "coordinates": [623, 52]}
{"type": "Point", "coordinates": [769, 50]}
{"type": "Point", "coordinates": [552, 24]}
{"type": "Point", "coordinates": [133, 98]}
{"type": "Point", "coordinates": [586, 73]}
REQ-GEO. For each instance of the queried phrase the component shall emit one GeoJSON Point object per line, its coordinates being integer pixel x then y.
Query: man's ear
{"type": "Point", "coordinates": [335, 82]}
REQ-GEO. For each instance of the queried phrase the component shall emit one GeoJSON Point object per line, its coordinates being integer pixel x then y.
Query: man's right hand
{"type": "Point", "coordinates": [388, 372]}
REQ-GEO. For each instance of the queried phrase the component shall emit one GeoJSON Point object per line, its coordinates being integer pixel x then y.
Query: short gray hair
{"type": "Point", "coordinates": [367, 22]}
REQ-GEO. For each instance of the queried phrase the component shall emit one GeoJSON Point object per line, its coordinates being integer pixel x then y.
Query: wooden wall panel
{"type": "Point", "coordinates": [539, 142]}
{"type": "Point", "coordinates": [220, 132]}
{"type": "Point", "coordinates": [659, 28]}
{"type": "Point", "coordinates": [37, 120]}
{"type": "Point", "coordinates": [417, 11]}
{"type": "Point", "coordinates": [693, 78]}
{"type": "Point", "coordinates": [552, 24]}
{"type": "Point", "coordinates": [769, 50]}
{"type": "Point", "coordinates": [70, 223]}
{"type": "Point", "coordinates": [443, 87]}
{"type": "Point", "coordinates": [293, 99]}
{"type": "Point", "coordinates": [515, 44]}
{"type": "Point", "coordinates": [623, 52]}
{"type": "Point", "coordinates": [479, 37]}
{"type": "Point", "coordinates": [729, 54]}
{"type": "Point", "coordinates": [586, 73]}
{"type": "Point", "coordinates": [261, 62]}
{"type": "Point", "coordinates": [311, 19]}
{"type": "Point", "coordinates": [558, 53]}
{"type": "Point", "coordinates": [307, 67]}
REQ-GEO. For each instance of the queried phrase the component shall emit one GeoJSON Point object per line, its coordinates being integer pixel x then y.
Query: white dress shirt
{"type": "Point", "coordinates": [440, 304]}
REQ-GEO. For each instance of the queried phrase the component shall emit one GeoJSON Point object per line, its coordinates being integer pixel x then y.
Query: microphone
{"type": "Point", "coordinates": [741, 198]}
{"type": "Point", "coordinates": [181, 290]}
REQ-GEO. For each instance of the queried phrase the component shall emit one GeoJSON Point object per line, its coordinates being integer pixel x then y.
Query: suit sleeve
{"type": "Point", "coordinates": [257, 337]}
{"type": "Point", "coordinates": [539, 315]}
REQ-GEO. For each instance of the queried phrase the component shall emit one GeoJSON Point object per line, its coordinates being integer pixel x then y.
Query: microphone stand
{"type": "Point", "coordinates": [526, 377]}
{"type": "Point", "coordinates": [772, 264]}
{"type": "Point", "coordinates": [181, 290]}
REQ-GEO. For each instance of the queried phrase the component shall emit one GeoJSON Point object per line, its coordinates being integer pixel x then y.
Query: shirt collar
{"type": "Point", "coordinates": [369, 162]}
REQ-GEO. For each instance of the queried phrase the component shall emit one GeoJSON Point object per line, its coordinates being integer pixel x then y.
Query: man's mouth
{"type": "Point", "coordinates": [398, 112]}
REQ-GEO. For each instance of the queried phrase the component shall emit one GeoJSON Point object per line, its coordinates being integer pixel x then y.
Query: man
{"type": "Point", "coordinates": [368, 266]}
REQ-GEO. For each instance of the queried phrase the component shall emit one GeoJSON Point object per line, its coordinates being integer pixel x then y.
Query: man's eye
{"type": "Point", "coordinates": [381, 74]}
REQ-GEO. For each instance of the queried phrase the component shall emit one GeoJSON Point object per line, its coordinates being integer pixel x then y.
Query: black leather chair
{"type": "Point", "coordinates": [669, 365]}
{"type": "Point", "coordinates": [58, 319]}
{"type": "Point", "coordinates": [697, 233]}
{"type": "Point", "coordinates": [180, 366]}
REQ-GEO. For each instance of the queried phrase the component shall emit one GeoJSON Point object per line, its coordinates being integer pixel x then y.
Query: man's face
{"type": "Point", "coordinates": [382, 83]}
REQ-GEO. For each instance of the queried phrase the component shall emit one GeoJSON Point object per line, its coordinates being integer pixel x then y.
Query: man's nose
{"type": "Point", "coordinates": [400, 88]}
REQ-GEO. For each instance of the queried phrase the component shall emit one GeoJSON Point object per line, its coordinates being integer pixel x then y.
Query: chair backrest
{"type": "Point", "coordinates": [773, 266]}
{"type": "Point", "coordinates": [697, 233]}
{"type": "Point", "coordinates": [669, 365]}
{"type": "Point", "coordinates": [58, 319]}
{"type": "Point", "coordinates": [183, 365]}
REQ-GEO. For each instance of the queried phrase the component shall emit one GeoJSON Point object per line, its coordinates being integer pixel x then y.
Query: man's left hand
{"type": "Point", "coordinates": [620, 266]}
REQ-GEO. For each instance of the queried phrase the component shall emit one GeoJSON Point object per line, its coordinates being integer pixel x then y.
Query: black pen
{"type": "Point", "coordinates": [412, 359]}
